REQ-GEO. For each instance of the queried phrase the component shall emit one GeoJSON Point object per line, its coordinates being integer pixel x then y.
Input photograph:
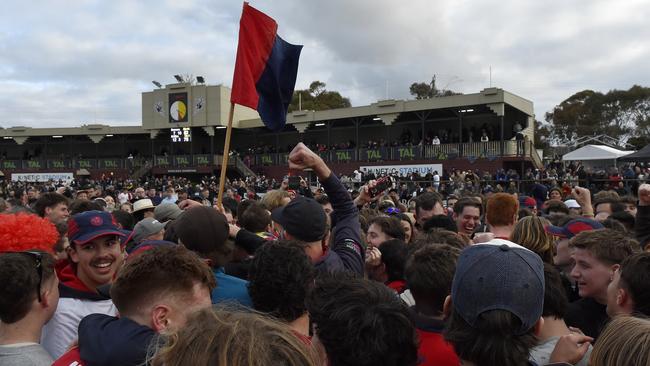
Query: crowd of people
{"type": "Point", "coordinates": [120, 272]}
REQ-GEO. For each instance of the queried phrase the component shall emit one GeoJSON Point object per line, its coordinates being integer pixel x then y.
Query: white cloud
{"type": "Point", "coordinates": [65, 63]}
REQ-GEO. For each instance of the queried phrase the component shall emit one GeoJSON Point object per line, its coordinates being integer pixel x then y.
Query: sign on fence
{"type": "Point", "coordinates": [402, 170]}
{"type": "Point", "coordinates": [41, 177]}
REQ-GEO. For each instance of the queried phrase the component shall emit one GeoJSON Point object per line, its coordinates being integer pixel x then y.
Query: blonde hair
{"type": "Point", "coordinates": [274, 199]}
{"type": "Point", "coordinates": [529, 232]}
{"type": "Point", "coordinates": [221, 337]}
{"type": "Point", "coordinates": [625, 341]}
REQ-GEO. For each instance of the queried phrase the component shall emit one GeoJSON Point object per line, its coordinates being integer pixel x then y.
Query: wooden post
{"type": "Point", "coordinates": [226, 152]}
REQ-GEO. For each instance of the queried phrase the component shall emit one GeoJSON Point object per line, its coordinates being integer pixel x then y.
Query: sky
{"type": "Point", "coordinates": [64, 63]}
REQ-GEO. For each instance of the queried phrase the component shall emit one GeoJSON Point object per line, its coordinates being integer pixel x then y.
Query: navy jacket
{"type": "Point", "coordinates": [346, 251]}
{"type": "Point", "coordinates": [106, 340]}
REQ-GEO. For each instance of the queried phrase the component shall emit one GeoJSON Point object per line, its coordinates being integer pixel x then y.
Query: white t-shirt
{"type": "Point", "coordinates": [61, 331]}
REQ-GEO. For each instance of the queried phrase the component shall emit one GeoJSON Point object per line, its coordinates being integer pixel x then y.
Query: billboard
{"type": "Point", "coordinates": [178, 107]}
{"type": "Point", "coordinates": [402, 170]}
{"type": "Point", "coordinates": [42, 177]}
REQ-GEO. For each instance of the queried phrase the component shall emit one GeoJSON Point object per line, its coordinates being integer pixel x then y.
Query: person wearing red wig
{"type": "Point", "coordinates": [29, 294]}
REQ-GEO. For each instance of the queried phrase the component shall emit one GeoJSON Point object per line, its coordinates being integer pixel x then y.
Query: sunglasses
{"type": "Point", "coordinates": [38, 258]}
{"type": "Point", "coordinates": [392, 210]}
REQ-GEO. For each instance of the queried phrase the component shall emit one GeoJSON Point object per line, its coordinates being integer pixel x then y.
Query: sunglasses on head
{"type": "Point", "coordinates": [38, 258]}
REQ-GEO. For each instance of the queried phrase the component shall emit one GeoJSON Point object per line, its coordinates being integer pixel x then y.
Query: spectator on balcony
{"type": "Point", "coordinates": [484, 137]}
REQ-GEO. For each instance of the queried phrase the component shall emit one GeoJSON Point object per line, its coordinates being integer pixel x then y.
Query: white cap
{"type": "Point", "coordinates": [571, 204]}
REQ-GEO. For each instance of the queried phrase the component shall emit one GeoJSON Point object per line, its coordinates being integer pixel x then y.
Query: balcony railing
{"type": "Point", "coordinates": [472, 150]}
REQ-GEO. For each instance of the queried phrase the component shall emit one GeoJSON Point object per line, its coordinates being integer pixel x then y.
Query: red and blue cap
{"type": "Point", "coordinates": [86, 226]}
{"type": "Point", "coordinates": [574, 227]}
{"type": "Point", "coordinates": [527, 201]}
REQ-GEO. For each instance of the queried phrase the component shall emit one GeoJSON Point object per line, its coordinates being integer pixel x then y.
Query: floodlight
{"type": "Point", "coordinates": [178, 78]}
{"type": "Point", "coordinates": [200, 80]}
{"type": "Point", "coordinates": [157, 84]}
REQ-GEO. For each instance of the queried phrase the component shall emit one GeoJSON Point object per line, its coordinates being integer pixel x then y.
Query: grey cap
{"type": "Point", "coordinates": [167, 211]}
{"type": "Point", "coordinates": [146, 227]}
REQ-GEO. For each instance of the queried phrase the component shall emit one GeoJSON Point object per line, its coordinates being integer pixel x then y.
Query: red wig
{"type": "Point", "coordinates": [22, 232]}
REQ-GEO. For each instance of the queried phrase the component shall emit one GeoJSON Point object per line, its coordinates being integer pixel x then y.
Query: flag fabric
{"type": "Point", "coordinates": [266, 68]}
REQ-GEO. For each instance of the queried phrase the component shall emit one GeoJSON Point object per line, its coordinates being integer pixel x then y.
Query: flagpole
{"type": "Point", "coordinates": [226, 152]}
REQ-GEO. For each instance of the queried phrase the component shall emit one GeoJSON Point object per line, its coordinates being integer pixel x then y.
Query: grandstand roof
{"type": "Point", "coordinates": [387, 110]}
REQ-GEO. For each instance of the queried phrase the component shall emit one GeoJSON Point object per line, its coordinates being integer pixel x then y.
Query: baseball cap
{"type": "Point", "coordinates": [499, 275]}
{"type": "Point", "coordinates": [527, 201]}
{"type": "Point", "coordinates": [146, 227]}
{"type": "Point", "coordinates": [574, 227]}
{"type": "Point", "coordinates": [167, 211]}
{"type": "Point", "coordinates": [202, 229]}
{"type": "Point", "coordinates": [572, 204]}
{"type": "Point", "coordinates": [142, 204]}
{"type": "Point", "coordinates": [86, 226]}
{"type": "Point", "coordinates": [303, 218]}
{"type": "Point", "coordinates": [148, 245]}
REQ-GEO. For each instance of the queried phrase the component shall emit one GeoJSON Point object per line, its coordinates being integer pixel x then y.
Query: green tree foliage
{"type": "Point", "coordinates": [317, 98]}
{"type": "Point", "coordinates": [542, 134]}
{"type": "Point", "coordinates": [429, 90]}
{"type": "Point", "coordinates": [621, 114]}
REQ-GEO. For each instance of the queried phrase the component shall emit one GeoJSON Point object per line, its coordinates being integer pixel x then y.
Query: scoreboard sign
{"type": "Point", "coordinates": [178, 107]}
{"type": "Point", "coordinates": [181, 134]}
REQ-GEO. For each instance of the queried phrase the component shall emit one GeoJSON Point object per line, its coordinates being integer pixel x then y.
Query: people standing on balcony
{"type": "Point", "coordinates": [484, 137]}
{"type": "Point", "coordinates": [436, 140]}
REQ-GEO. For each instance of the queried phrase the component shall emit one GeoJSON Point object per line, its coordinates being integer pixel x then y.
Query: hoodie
{"type": "Point", "coordinates": [106, 340]}
{"type": "Point", "coordinates": [76, 302]}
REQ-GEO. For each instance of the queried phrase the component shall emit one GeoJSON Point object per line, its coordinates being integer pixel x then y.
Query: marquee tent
{"type": "Point", "coordinates": [596, 155]}
{"type": "Point", "coordinates": [642, 155]}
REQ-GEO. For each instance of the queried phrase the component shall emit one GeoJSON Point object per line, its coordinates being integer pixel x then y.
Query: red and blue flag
{"type": "Point", "coordinates": [266, 68]}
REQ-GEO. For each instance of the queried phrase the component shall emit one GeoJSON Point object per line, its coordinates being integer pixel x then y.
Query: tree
{"type": "Point", "coordinates": [426, 91]}
{"type": "Point", "coordinates": [542, 134]}
{"type": "Point", "coordinates": [317, 98]}
{"type": "Point", "coordinates": [621, 114]}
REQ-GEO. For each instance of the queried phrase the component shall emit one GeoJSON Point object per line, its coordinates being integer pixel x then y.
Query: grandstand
{"type": "Point", "coordinates": [183, 128]}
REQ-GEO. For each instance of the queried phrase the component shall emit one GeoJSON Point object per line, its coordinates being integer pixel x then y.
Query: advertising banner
{"type": "Point", "coordinates": [402, 170]}
{"type": "Point", "coordinates": [41, 177]}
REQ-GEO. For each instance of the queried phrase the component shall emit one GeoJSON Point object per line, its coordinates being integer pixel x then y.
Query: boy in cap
{"type": "Point", "coordinates": [571, 228]}
{"type": "Point", "coordinates": [495, 307]}
{"type": "Point", "coordinates": [147, 229]}
{"type": "Point", "coordinates": [94, 256]}
{"type": "Point", "coordinates": [205, 231]}
{"type": "Point", "coordinates": [154, 292]}
{"type": "Point", "coordinates": [304, 219]}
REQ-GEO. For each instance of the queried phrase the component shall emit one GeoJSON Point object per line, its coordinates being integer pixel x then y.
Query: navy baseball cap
{"type": "Point", "coordinates": [574, 227]}
{"type": "Point", "coordinates": [86, 226]}
{"type": "Point", "coordinates": [499, 275]}
{"type": "Point", "coordinates": [303, 218]}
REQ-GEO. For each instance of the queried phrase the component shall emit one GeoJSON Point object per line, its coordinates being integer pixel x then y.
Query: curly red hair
{"type": "Point", "coordinates": [21, 232]}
